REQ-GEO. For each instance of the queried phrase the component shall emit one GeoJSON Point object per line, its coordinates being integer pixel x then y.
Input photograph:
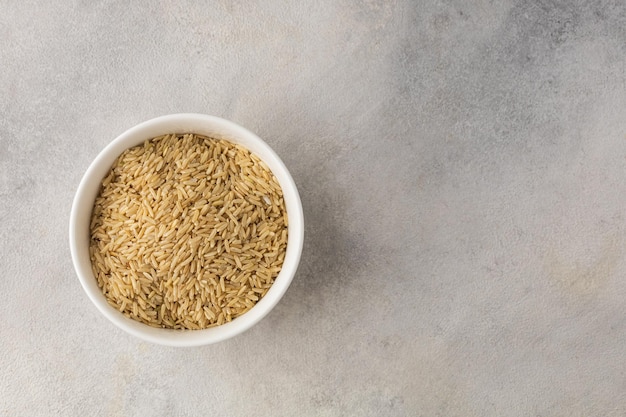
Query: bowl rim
{"type": "Point", "coordinates": [89, 186]}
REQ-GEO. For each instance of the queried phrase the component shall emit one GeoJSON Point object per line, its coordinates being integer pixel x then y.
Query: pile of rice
{"type": "Point", "coordinates": [188, 232]}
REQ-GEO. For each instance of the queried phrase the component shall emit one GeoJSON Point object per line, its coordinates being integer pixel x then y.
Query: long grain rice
{"type": "Point", "coordinates": [187, 232]}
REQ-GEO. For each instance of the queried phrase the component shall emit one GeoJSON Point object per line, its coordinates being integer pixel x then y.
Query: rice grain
{"type": "Point", "coordinates": [187, 232]}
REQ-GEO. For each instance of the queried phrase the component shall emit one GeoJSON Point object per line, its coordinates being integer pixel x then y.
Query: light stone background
{"type": "Point", "coordinates": [462, 167]}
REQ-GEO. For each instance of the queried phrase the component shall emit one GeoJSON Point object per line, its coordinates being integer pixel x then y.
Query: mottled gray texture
{"type": "Point", "coordinates": [462, 167]}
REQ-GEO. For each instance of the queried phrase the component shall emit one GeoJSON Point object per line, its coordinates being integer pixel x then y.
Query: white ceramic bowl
{"type": "Point", "coordinates": [88, 189]}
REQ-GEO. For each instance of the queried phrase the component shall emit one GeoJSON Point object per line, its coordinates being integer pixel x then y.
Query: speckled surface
{"type": "Point", "coordinates": [462, 167]}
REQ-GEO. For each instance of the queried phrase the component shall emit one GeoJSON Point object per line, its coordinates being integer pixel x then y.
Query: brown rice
{"type": "Point", "coordinates": [187, 232]}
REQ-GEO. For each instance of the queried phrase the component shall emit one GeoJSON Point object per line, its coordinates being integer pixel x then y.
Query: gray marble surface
{"type": "Point", "coordinates": [462, 167]}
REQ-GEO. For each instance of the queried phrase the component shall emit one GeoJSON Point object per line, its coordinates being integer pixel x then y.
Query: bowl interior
{"type": "Point", "coordinates": [90, 185]}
